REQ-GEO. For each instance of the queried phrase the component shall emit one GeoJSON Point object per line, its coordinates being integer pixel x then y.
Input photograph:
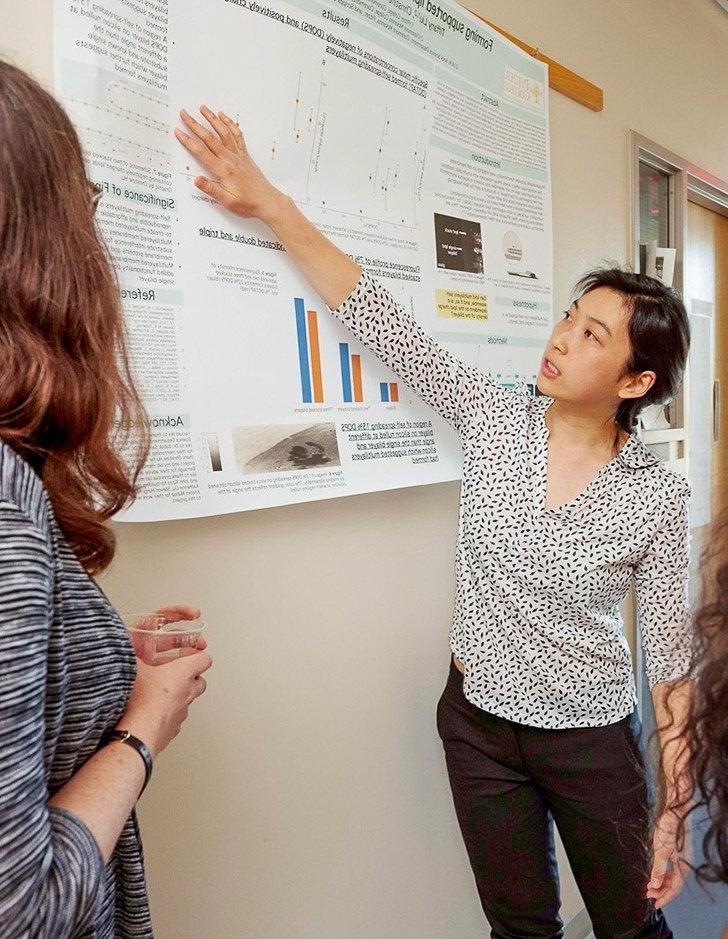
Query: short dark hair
{"type": "Point", "coordinates": [659, 334]}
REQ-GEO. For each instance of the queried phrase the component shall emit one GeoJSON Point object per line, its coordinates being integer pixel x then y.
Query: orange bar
{"type": "Point", "coordinates": [393, 391]}
{"type": "Point", "coordinates": [356, 378]}
{"type": "Point", "coordinates": [313, 341]}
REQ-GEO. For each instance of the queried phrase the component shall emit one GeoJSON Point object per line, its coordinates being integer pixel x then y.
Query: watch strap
{"type": "Point", "coordinates": [124, 736]}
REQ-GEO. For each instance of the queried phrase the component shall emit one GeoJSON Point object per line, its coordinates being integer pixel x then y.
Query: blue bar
{"type": "Point", "coordinates": [303, 350]}
{"type": "Point", "coordinates": [345, 371]}
{"type": "Point", "coordinates": [384, 390]}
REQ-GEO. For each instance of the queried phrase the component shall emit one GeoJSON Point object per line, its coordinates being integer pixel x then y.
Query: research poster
{"type": "Point", "coordinates": [411, 133]}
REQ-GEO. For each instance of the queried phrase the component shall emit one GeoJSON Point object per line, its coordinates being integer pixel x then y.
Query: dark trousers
{"type": "Point", "coordinates": [511, 782]}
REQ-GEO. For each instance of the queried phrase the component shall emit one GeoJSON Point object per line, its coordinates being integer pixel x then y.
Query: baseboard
{"type": "Point", "coordinates": [579, 927]}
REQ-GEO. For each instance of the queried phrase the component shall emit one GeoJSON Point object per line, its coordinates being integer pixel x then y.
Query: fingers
{"type": "Point", "coordinates": [220, 128]}
{"type": "Point", "coordinates": [659, 870]}
{"type": "Point", "coordinates": [193, 650]}
{"type": "Point", "coordinates": [212, 189]}
{"type": "Point", "coordinates": [144, 649]}
{"type": "Point", "coordinates": [216, 191]}
{"type": "Point", "coordinates": [666, 883]}
{"type": "Point", "coordinates": [210, 140]}
{"type": "Point", "coordinates": [198, 686]}
{"type": "Point", "coordinates": [174, 613]}
{"type": "Point", "coordinates": [199, 150]}
{"type": "Point", "coordinates": [197, 663]}
{"type": "Point", "coordinates": [234, 129]}
{"type": "Point", "coordinates": [672, 885]}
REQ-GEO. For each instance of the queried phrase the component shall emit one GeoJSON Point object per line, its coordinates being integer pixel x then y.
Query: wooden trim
{"type": "Point", "coordinates": [707, 203]}
{"type": "Point", "coordinates": [561, 79]}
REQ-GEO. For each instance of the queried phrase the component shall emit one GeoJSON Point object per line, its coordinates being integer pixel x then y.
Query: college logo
{"type": "Point", "coordinates": [528, 92]}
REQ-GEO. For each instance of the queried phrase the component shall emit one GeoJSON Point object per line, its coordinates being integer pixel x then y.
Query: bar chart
{"type": "Point", "coordinates": [315, 362]}
{"type": "Point", "coordinates": [351, 383]}
{"type": "Point", "coordinates": [309, 353]}
{"type": "Point", "coordinates": [389, 392]}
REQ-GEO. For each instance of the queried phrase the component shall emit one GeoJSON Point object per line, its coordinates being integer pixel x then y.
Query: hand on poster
{"type": "Point", "coordinates": [240, 186]}
{"type": "Point", "coordinates": [243, 189]}
{"type": "Point", "coordinates": [249, 385]}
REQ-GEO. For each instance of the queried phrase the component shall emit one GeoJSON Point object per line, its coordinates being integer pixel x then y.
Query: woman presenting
{"type": "Point", "coordinates": [562, 508]}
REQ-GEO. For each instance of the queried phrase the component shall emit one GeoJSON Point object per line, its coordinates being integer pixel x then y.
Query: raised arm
{"type": "Point", "coordinates": [356, 299]}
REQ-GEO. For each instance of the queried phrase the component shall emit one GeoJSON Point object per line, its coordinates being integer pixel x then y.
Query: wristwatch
{"type": "Point", "coordinates": [123, 736]}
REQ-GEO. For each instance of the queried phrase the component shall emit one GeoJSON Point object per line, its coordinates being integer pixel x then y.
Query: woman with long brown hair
{"type": "Point", "coordinates": [700, 741]}
{"type": "Point", "coordinates": [80, 719]}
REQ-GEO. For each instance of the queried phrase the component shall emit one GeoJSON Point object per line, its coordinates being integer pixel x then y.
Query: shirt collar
{"type": "Point", "coordinates": [633, 455]}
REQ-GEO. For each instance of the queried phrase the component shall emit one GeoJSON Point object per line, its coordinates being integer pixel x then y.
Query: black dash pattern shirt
{"type": "Point", "coordinates": [66, 673]}
{"type": "Point", "coordinates": [537, 621]}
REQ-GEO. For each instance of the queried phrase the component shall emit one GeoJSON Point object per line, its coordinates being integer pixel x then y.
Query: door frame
{"type": "Point", "coordinates": [687, 183]}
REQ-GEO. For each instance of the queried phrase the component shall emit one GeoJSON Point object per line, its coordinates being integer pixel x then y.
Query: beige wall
{"type": "Point", "coordinates": [307, 795]}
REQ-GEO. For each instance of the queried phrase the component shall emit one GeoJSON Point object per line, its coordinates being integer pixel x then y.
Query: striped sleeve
{"type": "Point", "coordinates": [51, 870]}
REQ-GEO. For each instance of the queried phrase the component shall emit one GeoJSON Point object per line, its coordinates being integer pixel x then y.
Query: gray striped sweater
{"type": "Point", "coordinates": [66, 672]}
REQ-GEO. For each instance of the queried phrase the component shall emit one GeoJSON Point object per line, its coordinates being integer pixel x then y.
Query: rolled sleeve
{"type": "Point", "coordinates": [661, 586]}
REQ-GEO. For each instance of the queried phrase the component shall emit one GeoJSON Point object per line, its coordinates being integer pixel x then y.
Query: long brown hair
{"type": "Point", "coordinates": [67, 399]}
{"type": "Point", "coordinates": [704, 737]}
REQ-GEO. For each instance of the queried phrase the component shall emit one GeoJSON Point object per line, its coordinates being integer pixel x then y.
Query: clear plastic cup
{"type": "Point", "coordinates": [158, 639]}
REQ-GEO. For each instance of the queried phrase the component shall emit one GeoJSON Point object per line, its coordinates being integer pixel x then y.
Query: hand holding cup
{"type": "Point", "coordinates": [166, 634]}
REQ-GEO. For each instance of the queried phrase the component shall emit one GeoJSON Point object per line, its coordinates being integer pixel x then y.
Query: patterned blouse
{"type": "Point", "coordinates": [66, 673]}
{"type": "Point", "coordinates": [537, 622]}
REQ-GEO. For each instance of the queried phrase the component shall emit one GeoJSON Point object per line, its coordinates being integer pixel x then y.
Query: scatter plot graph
{"type": "Point", "coordinates": [332, 158]}
{"type": "Point", "coordinates": [385, 178]}
{"type": "Point", "coordinates": [376, 177]}
{"type": "Point", "coordinates": [302, 115]}
{"type": "Point", "coordinates": [385, 175]}
{"type": "Point", "coordinates": [302, 124]}
{"type": "Point", "coordinates": [343, 161]}
{"type": "Point", "coordinates": [123, 120]}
